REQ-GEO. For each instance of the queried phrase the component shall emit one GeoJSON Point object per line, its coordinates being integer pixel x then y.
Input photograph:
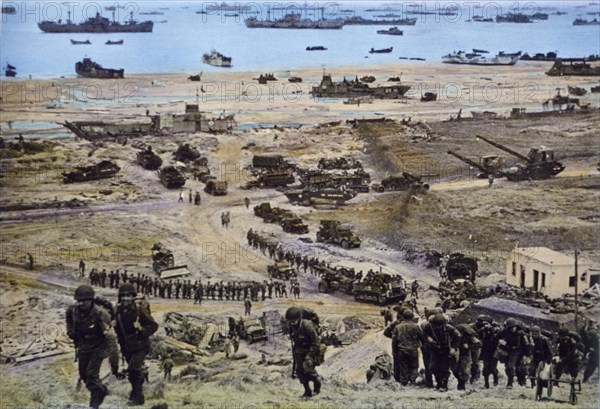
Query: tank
{"type": "Point", "coordinates": [103, 170]}
{"type": "Point", "coordinates": [332, 232]}
{"type": "Point", "coordinates": [171, 178]}
{"type": "Point", "coordinates": [148, 159]}
{"type": "Point", "coordinates": [216, 187]}
{"type": "Point", "coordinates": [404, 181]}
{"type": "Point", "coordinates": [381, 289]}
{"type": "Point", "coordinates": [185, 153]}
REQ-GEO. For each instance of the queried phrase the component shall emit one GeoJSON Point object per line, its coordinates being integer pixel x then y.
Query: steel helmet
{"type": "Point", "coordinates": [511, 322]}
{"type": "Point", "coordinates": [536, 330]}
{"type": "Point", "coordinates": [84, 292]}
{"type": "Point", "coordinates": [408, 314]}
{"type": "Point", "coordinates": [563, 331]}
{"type": "Point", "coordinates": [127, 289]}
{"type": "Point", "coordinates": [293, 314]}
{"type": "Point", "coordinates": [438, 320]}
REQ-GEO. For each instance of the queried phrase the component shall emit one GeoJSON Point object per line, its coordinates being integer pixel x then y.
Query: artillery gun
{"type": "Point", "coordinates": [185, 153]}
{"type": "Point", "coordinates": [103, 170]}
{"type": "Point", "coordinates": [171, 178]}
{"type": "Point", "coordinates": [539, 163]}
{"type": "Point", "coordinates": [381, 289]}
{"type": "Point", "coordinates": [331, 231]}
{"type": "Point", "coordinates": [404, 181]}
{"type": "Point", "coordinates": [490, 165]}
{"type": "Point", "coordinates": [148, 159]}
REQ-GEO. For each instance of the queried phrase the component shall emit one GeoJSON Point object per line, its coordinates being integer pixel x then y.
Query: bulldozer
{"type": "Point", "coordinates": [103, 170]}
{"type": "Point", "coordinates": [404, 181]}
{"type": "Point", "coordinates": [539, 163]}
{"type": "Point", "coordinates": [490, 165]}
{"type": "Point", "coordinates": [331, 231]}
{"type": "Point", "coordinates": [162, 258]}
{"type": "Point", "coordinates": [380, 289]}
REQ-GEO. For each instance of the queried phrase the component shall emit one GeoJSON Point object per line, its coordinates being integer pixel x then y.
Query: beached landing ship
{"type": "Point", "coordinates": [477, 59]}
{"type": "Point", "coordinates": [97, 24]}
{"type": "Point", "coordinates": [216, 59]}
{"type": "Point", "coordinates": [88, 68]}
{"type": "Point", "coordinates": [354, 89]}
{"type": "Point", "coordinates": [573, 66]}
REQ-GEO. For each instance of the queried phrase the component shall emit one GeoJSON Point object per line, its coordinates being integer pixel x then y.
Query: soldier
{"type": "Point", "coordinates": [246, 202]}
{"type": "Point", "coordinates": [488, 332]}
{"type": "Point", "coordinates": [190, 196]}
{"type": "Point", "coordinates": [568, 358]}
{"type": "Point", "coordinates": [198, 294]}
{"type": "Point", "coordinates": [197, 199]}
{"type": "Point", "coordinates": [305, 350]}
{"type": "Point", "coordinates": [167, 366]}
{"type": "Point", "coordinates": [542, 352]}
{"type": "Point", "coordinates": [135, 325]}
{"type": "Point", "coordinates": [442, 340]}
{"type": "Point", "coordinates": [247, 306]}
{"type": "Point", "coordinates": [590, 342]}
{"type": "Point", "coordinates": [388, 316]}
{"type": "Point", "coordinates": [467, 342]}
{"type": "Point", "coordinates": [414, 289]}
{"type": "Point", "coordinates": [81, 269]}
{"type": "Point", "coordinates": [514, 345]}
{"type": "Point", "coordinates": [407, 339]}
{"type": "Point", "coordinates": [89, 326]}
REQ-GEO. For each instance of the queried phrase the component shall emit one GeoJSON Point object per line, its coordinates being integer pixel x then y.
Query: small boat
{"type": "Point", "coordinates": [114, 42]}
{"type": "Point", "coordinates": [381, 51]}
{"type": "Point", "coordinates": [295, 79]}
{"type": "Point", "coordinates": [577, 91]}
{"type": "Point", "coordinates": [394, 31]}
{"type": "Point", "coordinates": [75, 42]}
{"type": "Point", "coordinates": [216, 59]}
{"type": "Point", "coordinates": [152, 13]}
{"type": "Point", "coordinates": [316, 48]}
{"type": "Point", "coordinates": [417, 59]}
{"type": "Point", "coordinates": [231, 15]}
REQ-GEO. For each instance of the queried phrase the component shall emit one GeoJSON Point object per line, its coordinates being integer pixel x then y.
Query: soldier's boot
{"type": "Point", "coordinates": [509, 384]}
{"type": "Point", "coordinates": [97, 397]}
{"type": "Point", "coordinates": [317, 386]}
{"type": "Point", "coordinates": [461, 385]}
{"type": "Point", "coordinates": [136, 397]}
{"type": "Point", "coordinates": [495, 379]}
{"type": "Point", "coordinates": [486, 380]}
{"type": "Point", "coordinates": [307, 392]}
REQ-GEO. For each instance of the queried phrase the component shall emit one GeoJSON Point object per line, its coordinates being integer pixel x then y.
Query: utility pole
{"type": "Point", "coordinates": [576, 296]}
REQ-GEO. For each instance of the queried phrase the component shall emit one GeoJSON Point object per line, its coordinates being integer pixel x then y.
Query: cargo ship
{"type": "Point", "coordinates": [294, 21]}
{"type": "Point", "coordinates": [97, 24]}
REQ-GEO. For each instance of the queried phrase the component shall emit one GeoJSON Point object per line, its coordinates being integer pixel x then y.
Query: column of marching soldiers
{"type": "Point", "coordinates": [446, 349]}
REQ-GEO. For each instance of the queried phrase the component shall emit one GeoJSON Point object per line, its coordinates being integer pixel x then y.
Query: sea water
{"type": "Point", "coordinates": [181, 36]}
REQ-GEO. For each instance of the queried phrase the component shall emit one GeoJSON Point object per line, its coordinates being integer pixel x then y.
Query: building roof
{"type": "Point", "coordinates": [549, 256]}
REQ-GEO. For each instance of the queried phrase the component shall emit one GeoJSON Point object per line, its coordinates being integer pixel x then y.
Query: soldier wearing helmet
{"type": "Point", "coordinates": [569, 357]}
{"type": "Point", "coordinates": [89, 326]}
{"type": "Point", "coordinates": [442, 342]}
{"type": "Point", "coordinates": [407, 338]}
{"type": "Point", "coordinates": [541, 352]}
{"type": "Point", "coordinates": [513, 345]}
{"type": "Point", "coordinates": [134, 327]}
{"type": "Point", "coordinates": [305, 350]}
{"type": "Point", "coordinates": [488, 331]}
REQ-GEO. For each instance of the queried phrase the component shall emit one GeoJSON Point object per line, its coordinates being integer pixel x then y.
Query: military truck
{"type": "Point", "coordinates": [404, 181]}
{"type": "Point", "coordinates": [103, 170]}
{"type": "Point", "coordinates": [290, 222]}
{"type": "Point", "coordinates": [269, 161]}
{"type": "Point", "coordinates": [251, 329]}
{"type": "Point", "coordinates": [216, 187]}
{"type": "Point", "coordinates": [281, 271]}
{"type": "Point", "coordinates": [185, 153]}
{"type": "Point", "coordinates": [331, 231]}
{"type": "Point", "coordinates": [458, 266]}
{"type": "Point", "coordinates": [380, 289]}
{"type": "Point", "coordinates": [171, 178]}
{"type": "Point", "coordinates": [148, 159]}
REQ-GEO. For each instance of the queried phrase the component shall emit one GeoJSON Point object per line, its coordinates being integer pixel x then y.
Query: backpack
{"type": "Point", "coordinates": [312, 316]}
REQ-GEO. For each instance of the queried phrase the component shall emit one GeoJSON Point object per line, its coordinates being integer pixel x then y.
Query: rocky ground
{"type": "Point", "coordinates": [114, 223]}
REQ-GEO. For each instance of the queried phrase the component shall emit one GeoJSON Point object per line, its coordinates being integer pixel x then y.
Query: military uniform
{"type": "Point", "coordinates": [407, 339]}
{"type": "Point", "coordinates": [91, 331]}
{"type": "Point", "coordinates": [514, 345]}
{"type": "Point", "coordinates": [442, 340]}
{"type": "Point", "coordinates": [306, 352]}
{"type": "Point", "coordinates": [134, 327]}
